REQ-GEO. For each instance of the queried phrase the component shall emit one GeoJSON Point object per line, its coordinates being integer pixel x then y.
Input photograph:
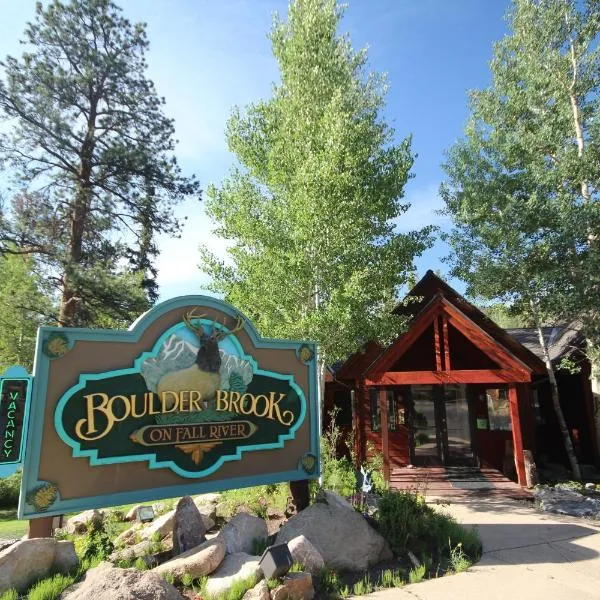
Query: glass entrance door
{"type": "Point", "coordinates": [441, 425]}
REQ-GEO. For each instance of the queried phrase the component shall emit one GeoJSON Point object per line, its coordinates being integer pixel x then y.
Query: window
{"type": "Point", "coordinates": [375, 412]}
{"type": "Point", "coordinates": [498, 409]}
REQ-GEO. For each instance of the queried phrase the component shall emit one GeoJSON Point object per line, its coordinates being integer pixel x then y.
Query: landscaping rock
{"type": "Point", "coordinates": [197, 562]}
{"type": "Point", "coordinates": [305, 554]}
{"type": "Point", "coordinates": [162, 526]}
{"type": "Point", "coordinates": [242, 531]}
{"type": "Point", "coordinates": [65, 557]}
{"type": "Point", "coordinates": [188, 526]}
{"type": "Point", "coordinates": [233, 568]}
{"type": "Point", "coordinates": [296, 586]}
{"type": "Point", "coordinates": [132, 513]}
{"type": "Point", "coordinates": [342, 536]}
{"type": "Point", "coordinates": [129, 536]}
{"type": "Point", "coordinates": [79, 523]}
{"type": "Point", "coordinates": [336, 500]}
{"type": "Point", "coordinates": [106, 582]}
{"type": "Point", "coordinates": [566, 501]}
{"type": "Point", "coordinates": [259, 592]}
{"type": "Point", "coordinates": [25, 562]}
{"type": "Point", "coordinates": [6, 543]}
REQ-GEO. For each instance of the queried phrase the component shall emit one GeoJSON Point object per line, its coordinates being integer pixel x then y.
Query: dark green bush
{"type": "Point", "coordinates": [96, 543]}
{"type": "Point", "coordinates": [9, 490]}
{"type": "Point", "coordinates": [409, 524]}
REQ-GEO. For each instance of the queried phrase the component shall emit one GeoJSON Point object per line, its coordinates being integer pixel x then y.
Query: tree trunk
{"type": "Point", "coordinates": [557, 408]}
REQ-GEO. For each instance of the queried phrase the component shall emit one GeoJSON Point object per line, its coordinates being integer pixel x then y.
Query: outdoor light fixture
{"type": "Point", "coordinates": [276, 561]}
{"type": "Point", "coordinates": [144, 514]}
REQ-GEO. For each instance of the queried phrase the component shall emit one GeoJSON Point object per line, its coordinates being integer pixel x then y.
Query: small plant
{"type": "Point", "coordinates": [10, 595]}
{"type": "Point", "coordinates": [328, 583]}
{"type": "Point", "coordinates": [238, 589]}
{"type": "Point", "coordinates": [140, 564]}
{"type": "Point", "coordinates": [169, 578]}
{"type": "Point", "coordinates": [459, 561]}
{"type": "Point", "coordinates": [391, 579]}
{"type": "Point", "coordinates": [362, 586]}
{"type": "Point", "coordinates": [417, 574]}
{"type": "Point", "coordinates": [96, 542]}
{"type": "Point", "coordinates": [187, 580]}
{"type": "Point", "coordinates": [271, 584]}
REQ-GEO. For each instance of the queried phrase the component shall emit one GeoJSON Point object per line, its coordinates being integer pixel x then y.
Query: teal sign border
{"type": "Point", "coordinates": [34, 428]}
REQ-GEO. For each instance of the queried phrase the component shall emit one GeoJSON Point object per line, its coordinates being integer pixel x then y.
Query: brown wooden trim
{"type": "Point", "coordinates": [437, 345]}
{"type": "Point", "coordinates": [458, 376]}
{"type": "Point", "coordinates": [513, 398]}
{"type": "Point", "coordinates": [383, 407]}
{"type": "Point", "coordinates": [446, 344]}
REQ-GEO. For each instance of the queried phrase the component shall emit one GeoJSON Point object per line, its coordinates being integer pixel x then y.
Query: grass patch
{"type": "Point", "coordinates": [10, 595]}
{"type": "Point", "coordinates": [417, 574]}
{"type": "Point", "coordinates": [411, 525]}
{"type": "Point", "coordinates": [258, 499]}
{"type": "Point", "coordinates": [51, 587]}
{"type": "Point", "coordinates": [10, 526]}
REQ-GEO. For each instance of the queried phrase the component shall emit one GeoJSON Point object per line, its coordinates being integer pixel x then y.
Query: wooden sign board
{"type": "Point", "coordinates": [189, 400]}
{"type": "Point", "coordinates": [15, 390]}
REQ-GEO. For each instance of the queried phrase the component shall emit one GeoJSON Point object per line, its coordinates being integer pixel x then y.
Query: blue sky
{"type": "Point", "coordinates": [207, 56]}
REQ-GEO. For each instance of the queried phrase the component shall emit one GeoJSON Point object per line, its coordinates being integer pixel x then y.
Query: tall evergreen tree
{"type": "Point", "coordinates": [89, 138]}
{"type": "Point", "coordinates": [311, 209]}
{"type": "Point", "coordinates": [522, 186]}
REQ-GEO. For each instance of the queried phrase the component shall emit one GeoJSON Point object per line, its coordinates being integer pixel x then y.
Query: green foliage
{"type": "Point", "coordinates": [410, 524]}
{"type": "Point", "coordinates": [391, 579]}
{"type": "Point", "coordinates": [94, 151]}
{"type": "Point", "coordinates": [338, 473]}
{"type": "Point", "coordinates": [10, 595]}
{"type": "Point", "coordinates": [417, 574]}
{"type": "Point", "coordinates": [169, 578]}
{"type": "Point", "coordinates": [328, 583]}
{"type": "Point", "coordinates": [9, 490]}
{"type": "Point", "coordinates": [237, 590]}
{"type": "Point", "coordinates": [96, 542]}
{"type": "Point", "coordinates": [272, 584]}
{"type": "Point", "coordinates": [259, 545]}
{"type": "Point", "coordinates": [311, 211]}
{"type": "Point", "coordinates": [258, 499]}
{"type": "Point", "coordinates": [362, 586]}
{"type": "Point", "coordinates": [22, 306]}
{"type": "Point", "coordinates": [187, 580]}
{"type": "Point", "coordinates": [51, 587]}
{"type": "Point", "coordinates": [459, 561]}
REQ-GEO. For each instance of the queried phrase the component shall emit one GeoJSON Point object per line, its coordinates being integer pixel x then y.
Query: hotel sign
{"type": "Point", "coordinates": [190, 399]}
{"type": "Point", "coordinates": [14, 399]}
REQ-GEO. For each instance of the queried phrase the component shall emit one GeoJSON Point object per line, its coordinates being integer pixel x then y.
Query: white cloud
{"type": "Point", "coordinates": [425, 204]}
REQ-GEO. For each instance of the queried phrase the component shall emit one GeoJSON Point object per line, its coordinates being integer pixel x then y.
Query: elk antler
{"type": "Point", "coordinates": [238, 326]}
{"type": "Point", "coordinates": [187, 319]}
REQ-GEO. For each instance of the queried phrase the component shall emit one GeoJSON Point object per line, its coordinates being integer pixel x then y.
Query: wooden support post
{"type": "Point", "coordinates": [517, 434]}
{"type": "Point", "coordinates": [383, 407]}
{"type": "Point", "coordinates": [438, 349]}
{"type": "Point", "coordinates": [40, 528]}
{"type": "Point", "coordinates": [588, 399]}
{"type": "Point", "coordinates": [447, 366]}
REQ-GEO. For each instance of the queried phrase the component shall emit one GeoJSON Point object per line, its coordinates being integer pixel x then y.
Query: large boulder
{"type": "Point", "coordinates": [188, 526]}
{"type": "Point", "coordinates": [26, 561]}
{"type": "Point", "coordinates": [197, 562]}
{"type": "Point", "coordinates": [341, 535]}
{"type": "Point", "coordinates": [131, 514]}
{"type": "Point", "coordinates": [242, 531]}
{"type": "Point", "coordinates": [143, 548]}
{"type": "Point", "coordinates": [106, 582]}
{"type": "Point", "coordinates": [295, 586]}
{"type": "Point", "coordinates": [305, 554]}
{"type": "Point", "coordinates": [79, 523]}
{"type": "Point", "coordinates": [235, 567]}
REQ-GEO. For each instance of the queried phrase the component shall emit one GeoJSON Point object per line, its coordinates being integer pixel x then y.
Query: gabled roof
{"type": "Point", "coordinates": [562, 340]}
{"type": "Point", "coordinates": [431, 284]}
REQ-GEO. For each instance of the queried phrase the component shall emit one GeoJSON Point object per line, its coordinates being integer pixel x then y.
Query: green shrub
{"type": "Point", "coordinates": [51, 587]}
{"type": "Point", "coordinates": [96, 542]}
{"type": "Point", "coordinates": [9, 490]}
{"type": "Point", "coordinates": [409, 524]}
{"type": "Point", "coordinates": [10, 595]}
{"type": "Point", "coordinates": [417, 574]}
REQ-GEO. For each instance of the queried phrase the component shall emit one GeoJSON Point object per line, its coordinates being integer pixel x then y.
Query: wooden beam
{"type": "Point", "coordinates": [383, 407]}
{"type": "Point", "coordinates": [40, 527]}
{"type": "Point", "coordinates": [437, 345]}
{"type": "Point", "coordinates": [447, 365]}
{"type": "Point", "coordinates": [517, 435]}
{"type": "Point", "coordinates": [458, 376]}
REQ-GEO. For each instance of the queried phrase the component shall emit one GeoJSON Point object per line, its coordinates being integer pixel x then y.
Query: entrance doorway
{"type": "Point", "coordinates": [441, 425]}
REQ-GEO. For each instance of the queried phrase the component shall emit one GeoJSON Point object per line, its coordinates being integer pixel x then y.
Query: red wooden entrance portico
{"type": "Point", "coordinates": [453, 390]}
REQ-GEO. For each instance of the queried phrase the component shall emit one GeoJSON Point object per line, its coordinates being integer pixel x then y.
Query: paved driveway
{"type": "Point", "coordinates": [527, 555]}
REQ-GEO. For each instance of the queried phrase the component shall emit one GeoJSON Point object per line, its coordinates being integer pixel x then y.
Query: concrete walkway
{"type": "Point", "coordinates": [527, 555]}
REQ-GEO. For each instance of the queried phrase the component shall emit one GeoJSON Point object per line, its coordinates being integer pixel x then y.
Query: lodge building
{"type": "Point", "coordinates": [458, 390]}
